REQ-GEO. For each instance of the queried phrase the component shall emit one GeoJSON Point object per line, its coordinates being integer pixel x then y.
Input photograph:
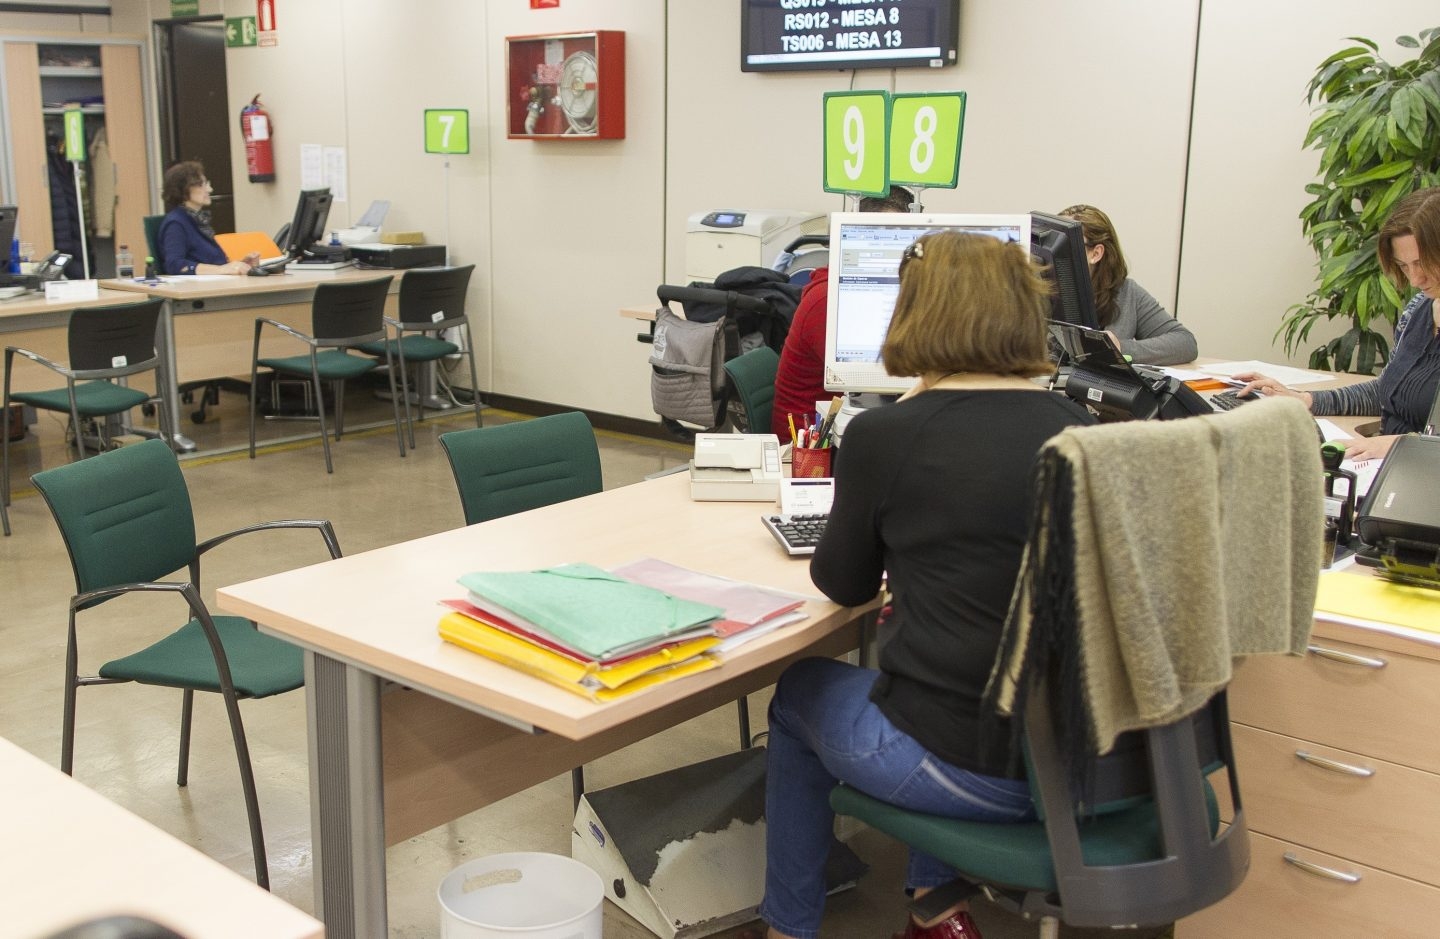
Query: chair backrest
{"type": "Point", "coordinates": [434, 295]}
{"type": "Point", "coordinates": [516, 467]}
{"type": "Point", "coordinates": [350, 310]}
{"type": "Point", "coordinates": [114, 340]}
{"type": "Point", "coordinates": [753, 375]}
{"type": "Point", "coordinates": [152, 238]}
{"type": "Point", "coordinates": [125, 515]}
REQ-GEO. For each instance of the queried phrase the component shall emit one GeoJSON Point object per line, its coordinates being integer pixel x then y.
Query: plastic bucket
{"type": "Point", "coordinates": [539, 896]}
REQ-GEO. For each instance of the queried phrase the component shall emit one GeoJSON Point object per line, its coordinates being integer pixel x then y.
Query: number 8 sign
{"type": "Point", "coordinates": [856, 123]}
{"type": "Point", "coordinates": [925, 132]}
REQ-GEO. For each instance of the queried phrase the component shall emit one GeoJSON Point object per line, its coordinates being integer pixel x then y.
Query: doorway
{"type": "Point", "coordinates": [194, 107]}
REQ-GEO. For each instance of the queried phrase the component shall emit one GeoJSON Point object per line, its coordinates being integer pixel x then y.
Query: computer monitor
{"type": "Point", "coordinates": [1058, 244]}
{"type": "Point", "coordinates": [8, 215]}
{"type": "Point", "coordinates": [865, 250]}
{"type": "Point", "coordinates": [312, 211]}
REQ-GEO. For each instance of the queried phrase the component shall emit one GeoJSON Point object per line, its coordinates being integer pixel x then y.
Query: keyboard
{"type": "Point", "coordinates": [1226, 400]}
{"type": "Point", "coordinates": [797, 534]}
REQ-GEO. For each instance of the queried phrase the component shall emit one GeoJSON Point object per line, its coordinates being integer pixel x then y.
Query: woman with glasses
{"type": "Point", "coordinates": [1140, 325]}
{"type": "Point", "coordinates": [932, 494]}
{"type": "Point", "coordinates": [186, 241]}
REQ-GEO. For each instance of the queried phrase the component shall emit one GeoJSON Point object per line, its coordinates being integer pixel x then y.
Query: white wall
{"type": "Point", "coordinates": [1068, 102]}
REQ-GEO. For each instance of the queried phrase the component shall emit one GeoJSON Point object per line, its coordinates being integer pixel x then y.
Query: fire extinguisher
{"type": "Point", "coordinates": [259, 150]}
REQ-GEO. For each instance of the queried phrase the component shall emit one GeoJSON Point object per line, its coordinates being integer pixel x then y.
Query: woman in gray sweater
{"type": "Point", "coordinates": [1145, 332]}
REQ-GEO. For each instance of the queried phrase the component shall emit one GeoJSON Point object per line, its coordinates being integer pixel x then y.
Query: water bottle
{"type": "Point", "coordinates": [124, 263]}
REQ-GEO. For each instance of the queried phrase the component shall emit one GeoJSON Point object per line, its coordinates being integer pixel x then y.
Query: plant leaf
{"type": "Point", "coordinates": [1407, 42]}
{"type": "Point", "coordinates": [1383, 171]}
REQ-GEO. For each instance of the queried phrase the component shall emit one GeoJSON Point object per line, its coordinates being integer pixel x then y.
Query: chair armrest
{"type": "Point", "coordinates": [261, 321]}
{"type": "Point", "coordinates": [37, 358]}
{"type": "Point", "coordinates": [327, 532]}
{"type": "Point", "coordinates": [82, 601]}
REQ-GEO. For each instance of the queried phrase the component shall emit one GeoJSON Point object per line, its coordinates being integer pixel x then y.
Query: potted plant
{"type": "Point", "coordinates": [1378, 133]}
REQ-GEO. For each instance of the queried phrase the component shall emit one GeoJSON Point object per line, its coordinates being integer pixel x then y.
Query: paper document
{"type": "Point", "coordinates": [1377, 603]}
{"type": "Point", "coordinates": [1284, 374]}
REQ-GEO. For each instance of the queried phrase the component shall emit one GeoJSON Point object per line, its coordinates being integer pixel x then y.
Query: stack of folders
{"type": "Point", "coordinates": [595, 633]}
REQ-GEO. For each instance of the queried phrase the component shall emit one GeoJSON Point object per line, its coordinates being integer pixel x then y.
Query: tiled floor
{"type": "Point", "coordinates": [127, 738]}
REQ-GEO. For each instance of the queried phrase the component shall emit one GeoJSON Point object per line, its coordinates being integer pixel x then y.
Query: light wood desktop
{"type": "Point", "coordinates": [471, 731]}
{"type": "Point", "coordinates": [70, 856]}
{"type": "Point", "coordinates": [35, 323]}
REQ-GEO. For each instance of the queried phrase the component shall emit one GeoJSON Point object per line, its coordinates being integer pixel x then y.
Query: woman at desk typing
{"type": "Point", "coordinates": [1142, 328]}
{"type": "Point", "coordinates": [1409, 250]}
{"type": "Point", "coordinates": [186, 241]}
{"type": "Point", "coordinates": [934, 492]}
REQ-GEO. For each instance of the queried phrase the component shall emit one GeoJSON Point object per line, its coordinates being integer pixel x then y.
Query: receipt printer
{"type": "Point", "coordinates": [735, 468]}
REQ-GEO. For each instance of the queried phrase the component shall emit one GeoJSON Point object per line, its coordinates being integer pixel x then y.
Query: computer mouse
{"type": "Point", "coordinates": [258, 272]}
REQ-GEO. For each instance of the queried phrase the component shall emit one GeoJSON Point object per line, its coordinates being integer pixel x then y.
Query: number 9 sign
{"type": "Point", "coordinates": [925, 132]}
{"type": "Point", "coordinates": [855, 142]}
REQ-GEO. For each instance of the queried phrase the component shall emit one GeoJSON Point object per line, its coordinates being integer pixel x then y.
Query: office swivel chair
{"type": "Point", "coordinates": [106, 343]}
{"type": "Point", "coordinates": [752, 376]}
{"type": "Point", "coordinates": [343, 315]}
{"type": "Point", "coordinates": [431, 301]}
{"type": "Point", "coordinates": [128, 526]}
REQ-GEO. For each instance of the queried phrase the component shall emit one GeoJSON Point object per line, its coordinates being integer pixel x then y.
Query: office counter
{"type": "Point", "coordinates": [71, 855]}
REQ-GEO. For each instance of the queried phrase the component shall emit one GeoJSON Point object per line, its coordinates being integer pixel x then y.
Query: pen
{"type": "Point", "coordinates": [791, 419]}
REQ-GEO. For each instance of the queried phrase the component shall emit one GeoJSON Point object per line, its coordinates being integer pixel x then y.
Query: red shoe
{"type": "Point", "coordinates": [958, 925]}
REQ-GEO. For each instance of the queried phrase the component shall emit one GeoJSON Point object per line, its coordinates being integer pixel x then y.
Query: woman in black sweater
{"type": "Point", "coordinates": [933, 491]}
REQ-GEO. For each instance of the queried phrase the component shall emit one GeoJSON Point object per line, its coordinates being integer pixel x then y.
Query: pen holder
{"type": "Point", "coordinates": [809, 462]}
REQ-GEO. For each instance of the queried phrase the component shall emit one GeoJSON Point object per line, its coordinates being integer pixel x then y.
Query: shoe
{"type": "Point", "coordinates": [957, 925]}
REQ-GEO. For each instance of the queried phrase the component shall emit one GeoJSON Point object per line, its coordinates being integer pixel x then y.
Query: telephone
{"type": "Point", "coordinates": [52, 267]}
{"type": "Point", "coordinates": [735, 468]}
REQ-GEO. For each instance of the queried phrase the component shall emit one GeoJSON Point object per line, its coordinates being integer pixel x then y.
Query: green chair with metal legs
{"type": "Point", "coordinates": [105, 343]}
{"type": "Point", "coordinates": [343, 316]}
{"type": "Point", "coordinates": [128, 526]}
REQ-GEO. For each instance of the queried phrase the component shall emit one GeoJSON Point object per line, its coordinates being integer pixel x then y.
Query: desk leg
{"type": "Point", "coordinates": [169, 379]}
{"type": "Point", "coordinates": [347, 808]}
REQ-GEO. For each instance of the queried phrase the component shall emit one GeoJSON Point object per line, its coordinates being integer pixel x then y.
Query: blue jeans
{"type": "Point", "coordinates": [824, 729]}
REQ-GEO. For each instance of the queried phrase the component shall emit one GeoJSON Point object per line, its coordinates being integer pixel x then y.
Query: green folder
{"type": "Point", "coordinates": [589, 609]}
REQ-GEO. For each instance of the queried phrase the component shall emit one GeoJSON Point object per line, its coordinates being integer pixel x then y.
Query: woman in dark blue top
{"type": "Point", "coordinates": [1409, 251]}
{"type": "Point", "coordinates": [186, 241]}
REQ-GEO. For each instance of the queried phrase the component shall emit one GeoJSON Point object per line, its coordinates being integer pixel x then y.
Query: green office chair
{"type": "Point", "coordinates": [152, 238]}
{"type": "Point", "coordinates": [513, 468]}
{"type": "Point", "coordinates": [431, 301]}
{"type": "Point", "coordinates": [752, 376]}
{"type": "Point", "coordinates": [343, 315]}
{"type": "Point", "coordinates": [128, 526]}
{"type": "Point", "coordinates": [106, 343]}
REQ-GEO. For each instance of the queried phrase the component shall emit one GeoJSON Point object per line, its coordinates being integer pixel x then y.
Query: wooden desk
{"type": "Point", "coordinates": [70, 855]}
{"type": "Point", "coordinates": [220, 341]}
{"type": "Point", "coordinates": [34, 323]}
{"type": "Point", "coordinates": [465, 735]}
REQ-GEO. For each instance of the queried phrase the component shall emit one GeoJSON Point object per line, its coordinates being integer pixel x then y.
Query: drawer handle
{"type": "Point", "coordinates": [1319, 871]}
{"type": "Point", "coordinates": [1335, 766]}
{"type": "Point", "coordinates": [1346, 658]}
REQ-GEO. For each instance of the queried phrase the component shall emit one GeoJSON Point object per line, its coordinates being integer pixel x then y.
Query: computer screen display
{"type": "Point", "coordinates": [865, 251]}
{"type": "Point", "coordinates": [1058, 245]}
{"type": "Point", "coordinates": [312, 211]}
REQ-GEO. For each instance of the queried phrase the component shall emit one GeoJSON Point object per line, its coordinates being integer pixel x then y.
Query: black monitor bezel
{"type": "Point", "coordinates": [1058, 244]}
{"type": "Point", "coordinates": [946, 37]}
{"type": "Point", "coordinates": [312, 211]}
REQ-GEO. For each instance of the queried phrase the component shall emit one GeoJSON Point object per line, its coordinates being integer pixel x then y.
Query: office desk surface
{"type": "Point", "coordinates": [71, 855]}
{"type": "Point", "coordinates": [208, 287]}
{"type": "Point", "coordinates": [378, 610]}
{"type": "Point", "coordinates": [11, 311]}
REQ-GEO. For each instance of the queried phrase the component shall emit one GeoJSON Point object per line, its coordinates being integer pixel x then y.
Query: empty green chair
{"type": "Point", "coordinates": [105, 343]}
{"type": "Point", "coordinates": [752, 376]}
{"type": "Point", "coordinates": [127, 523]}
{"type": "Point", "coordinates": [343, 316]}
{"type": "Point", "coordinates": [516, 467]}
{"type": "Point", "coordinates": [432, 300]}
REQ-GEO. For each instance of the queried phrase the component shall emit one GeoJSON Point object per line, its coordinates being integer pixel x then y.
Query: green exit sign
{"type": "Point", "coordinates": [240, 32]}
{"type": "Point", "coordinates": [184, 7]}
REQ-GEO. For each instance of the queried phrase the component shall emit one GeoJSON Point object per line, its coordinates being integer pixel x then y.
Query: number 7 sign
{"type": "Point", "coordinates": [447, 130]}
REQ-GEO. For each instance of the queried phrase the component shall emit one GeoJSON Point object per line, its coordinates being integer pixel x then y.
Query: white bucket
{"type": "Point", "coordinates": [539, 896]}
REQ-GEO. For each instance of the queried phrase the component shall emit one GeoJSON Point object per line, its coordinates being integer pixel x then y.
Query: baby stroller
{"type": "Point", "coordinates": [743, 309]}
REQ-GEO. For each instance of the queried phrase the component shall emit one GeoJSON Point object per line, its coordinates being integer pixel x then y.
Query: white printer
{"type": "Point", "coordinates": [716, 242]}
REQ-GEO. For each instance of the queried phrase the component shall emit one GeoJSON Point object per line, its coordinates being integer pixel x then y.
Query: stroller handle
{"type": "Point", "coordinates": [804, 240]}
{"type": "Point", "coordinates": [734, 302]}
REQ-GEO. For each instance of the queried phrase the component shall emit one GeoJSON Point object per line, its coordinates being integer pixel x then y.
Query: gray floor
{"type": "Point", "coordinates": [126, 736]}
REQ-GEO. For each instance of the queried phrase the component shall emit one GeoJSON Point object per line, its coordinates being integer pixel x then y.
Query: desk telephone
{"type": "Point", "coordinates": [51, 268]}
{"type": "Point", "coordinates": [735, 468]}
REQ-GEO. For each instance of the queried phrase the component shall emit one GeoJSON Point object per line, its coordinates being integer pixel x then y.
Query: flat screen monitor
{"type": "Point", "coordinates": [312, 211]}
{"type": "Point", "coordinates": [1058, 245]}
{"type": "Point", "coordinates": [865, 250]}
{"type": "Point", "coordinates": [8, 215]}
{"type": "Point", "coordinates": [780, 35]}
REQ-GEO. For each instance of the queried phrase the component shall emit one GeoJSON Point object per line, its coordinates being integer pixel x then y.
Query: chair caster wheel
{"type": "Point", "coordinates": [198, 417]}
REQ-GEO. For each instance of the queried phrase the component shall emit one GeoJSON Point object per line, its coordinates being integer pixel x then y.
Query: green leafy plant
{"type": "Point", "coordinates": [1378, 133]}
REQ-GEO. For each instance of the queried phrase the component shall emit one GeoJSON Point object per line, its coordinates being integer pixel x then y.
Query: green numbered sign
{"type": "Point", "coordinates": [925, 132]}
{"type": "Point", "coordinates": [74, 136]}
{"type": "Point", "coordinates": [447, 130]}
{"type": "Point", "coordinates": [855, 150]}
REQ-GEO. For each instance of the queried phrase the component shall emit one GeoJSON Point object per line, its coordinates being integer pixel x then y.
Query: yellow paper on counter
{"type": "Point", "coordinates": [1375, 598]}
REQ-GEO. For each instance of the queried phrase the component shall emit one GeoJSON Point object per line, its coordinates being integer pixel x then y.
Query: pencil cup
{"type": "Point", "coordinates": [807, 462]}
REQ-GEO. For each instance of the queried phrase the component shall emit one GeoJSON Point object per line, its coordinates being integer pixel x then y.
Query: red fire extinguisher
{"type": "Point", "coordinates": [259, 149]}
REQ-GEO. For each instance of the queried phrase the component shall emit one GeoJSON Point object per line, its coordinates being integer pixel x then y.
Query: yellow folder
{"type": "Point", "coordinates": [594, 680]}
{"type": "Point", "coordinates": [1375, 598]}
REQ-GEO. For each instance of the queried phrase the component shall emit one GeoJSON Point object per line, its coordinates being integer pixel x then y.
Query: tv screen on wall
{"type": "Point", "coordinates": [781, 35]}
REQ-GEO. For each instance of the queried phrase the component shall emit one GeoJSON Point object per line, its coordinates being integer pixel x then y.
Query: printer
{"type": "Point", "coordinates": [720, 241]}
{"type": "Point", "coordinates": [399, 256]}
{"type": "Point", "coordinates": [736, 468]}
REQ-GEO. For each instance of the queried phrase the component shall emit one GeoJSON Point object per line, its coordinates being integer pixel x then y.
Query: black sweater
{"type": "Point", "coordinates": [935, 491]}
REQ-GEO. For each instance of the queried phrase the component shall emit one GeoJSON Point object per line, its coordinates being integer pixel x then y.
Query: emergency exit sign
{"type": "Point", "coordinates": [240, 31]}
{"type": "Point", "coordinates": [184, 7]}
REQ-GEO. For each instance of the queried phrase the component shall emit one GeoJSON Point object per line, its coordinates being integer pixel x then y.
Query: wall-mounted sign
{"type": "Point", "coordinates": [184, 7]}
{"type": "Point", "coordinates": [447, 130]}
{"type": "Point", "coordinates": [265, 22]}
{"type": "Point", "coordinates": [856, 123]}
{"type": "Point", "coordinates": [240, 31]}
{"type": "Point", "coordinates": [925, 132]}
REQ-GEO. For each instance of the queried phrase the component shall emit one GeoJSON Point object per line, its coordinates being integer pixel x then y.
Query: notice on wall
{"type": "Point", "coordinates": [312, 166]}
{"type": "Point", "coordinates": [265, 19]}
{"type": "Point", "coordinates": [335, 173]}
